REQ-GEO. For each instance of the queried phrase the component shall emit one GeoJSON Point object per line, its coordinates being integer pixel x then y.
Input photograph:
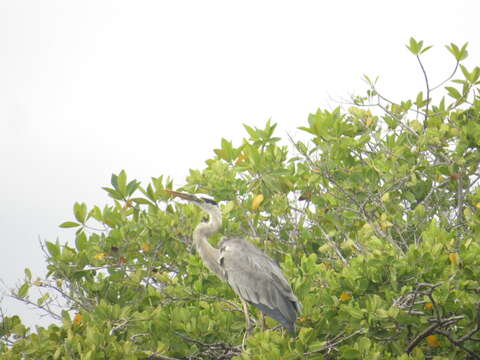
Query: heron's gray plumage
{"type": "Point", "coordinates": [254, 276]}
{"type": "Point", "coordinates": [259, 280]}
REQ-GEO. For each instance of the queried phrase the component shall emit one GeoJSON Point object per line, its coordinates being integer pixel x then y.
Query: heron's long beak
{"type": "Point", "coordinates": [183, 195]}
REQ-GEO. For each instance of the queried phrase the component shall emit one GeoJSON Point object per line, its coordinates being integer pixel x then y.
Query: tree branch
{"type": "Point", "coordinates": [331, 344]}
{"type": "Point", "coordinates": [457, 342]}
{"type": "Point", "coordinates": [428, 90]}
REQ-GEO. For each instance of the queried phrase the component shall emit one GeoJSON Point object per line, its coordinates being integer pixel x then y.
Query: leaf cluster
{"type": "Point", "coordinates": [374, 218]}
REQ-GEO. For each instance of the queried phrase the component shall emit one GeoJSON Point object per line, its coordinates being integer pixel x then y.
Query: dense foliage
{"type": "Point", "coordinates": [375, 219]}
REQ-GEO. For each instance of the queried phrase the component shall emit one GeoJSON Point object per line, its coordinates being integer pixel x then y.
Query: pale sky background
{"type": "Point", "coordinates": [88, 88]}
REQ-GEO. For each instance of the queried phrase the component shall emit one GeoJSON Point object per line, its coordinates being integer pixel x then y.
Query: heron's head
{"type": "Point", "coordinates": [206, 204]}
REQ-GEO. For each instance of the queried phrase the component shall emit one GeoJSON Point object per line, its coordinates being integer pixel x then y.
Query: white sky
{"type": "Point", "coordinates": [88, 88]}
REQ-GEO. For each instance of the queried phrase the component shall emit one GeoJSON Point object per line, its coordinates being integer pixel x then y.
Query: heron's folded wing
{"type": "Point", "coordinates": [259, 280]}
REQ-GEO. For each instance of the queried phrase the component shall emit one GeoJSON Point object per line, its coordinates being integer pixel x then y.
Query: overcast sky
{"type": "Point", "coordinates": [88, 88]}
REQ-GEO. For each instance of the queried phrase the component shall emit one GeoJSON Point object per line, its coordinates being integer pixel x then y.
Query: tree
{"type": "Point", "coordinates": [375, 220]}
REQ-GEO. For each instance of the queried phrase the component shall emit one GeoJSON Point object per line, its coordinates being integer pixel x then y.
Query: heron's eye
{"type": "Point", "coordinates": [209, 201]}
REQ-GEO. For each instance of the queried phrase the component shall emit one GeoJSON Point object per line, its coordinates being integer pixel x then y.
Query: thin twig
{"type": "Point", "coordinates": [448, 78]}
{"type": "Point", "coordinates": [428, 89]}
{"type": "Point", "coordinates": [330, 345]}
{"type": "Point", "coordinates": [161, 357]}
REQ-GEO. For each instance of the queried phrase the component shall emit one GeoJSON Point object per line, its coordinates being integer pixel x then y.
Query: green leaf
{"type": "Point", "coordinates": [42, 299]}
{"type": "Point", "coordinates": [122, 182]}
{"type": "Point", "coordinates": [454, 93]}
{"type": "Point", "coordinates": [253, 134]}
{"type": "Point", "coordinates": [305, 335]}
{"type": "Point", "coordinates": [81, 242]}
{"type": "Point", "coordinates": [459, 54]}
{"type": "Point", "coordinates": [414, 46]}
{"type": "Point", "coordinates": [151, 193]}
{"type": "Point", "coordinates": [113, 193]}
{"type": "Point", "coordinates": [465, 72]}
{"type": "Point", "coordinates": [96, 213]}
{"type": "Point", "coordinates": [23, 291]}
{"type": "Point", "coordinates": [355, 313]}
{"type": "Point", "coordinates": [142, 201]}
{"type": "Point", "coordinates": [69, 224]}
{"type": "Point", "coordinates": [464, 52]}
{"type": "Point", "coordinates": [317, 345]}
{"type": "Point", "coordinates": [28, 274]}
{"type": "Point", "coordinates": [350, 353]}
{"type": "Point", "coordinates": [53, 249]}
{"type": "Point", "coordinates": [114, 181]}
{"type": "Point", "coordinates": [426, 49]}
{"type": "Point", "coordinates": [475, 75]}
{"type": "Point", "coordinates": [80, 212]}
{"type": "Point", "coordinates": [132, 186]}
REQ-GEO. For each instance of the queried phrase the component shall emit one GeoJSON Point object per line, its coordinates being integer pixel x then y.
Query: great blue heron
{"type": "Point", "coordinates": [254, 276]}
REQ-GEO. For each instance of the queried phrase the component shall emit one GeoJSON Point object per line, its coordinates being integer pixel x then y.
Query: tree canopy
{"type": "Point", "coordinates": [374, 218]}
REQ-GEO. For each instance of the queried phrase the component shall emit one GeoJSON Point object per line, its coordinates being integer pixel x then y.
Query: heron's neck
{"type": "Point", "coordinates": [204, 230]}
{"type": "Point", "coordinates": [207, 252]}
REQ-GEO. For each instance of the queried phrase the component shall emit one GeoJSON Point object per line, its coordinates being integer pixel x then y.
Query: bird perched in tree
{"type": "Point", "coordinates": [254, 276]}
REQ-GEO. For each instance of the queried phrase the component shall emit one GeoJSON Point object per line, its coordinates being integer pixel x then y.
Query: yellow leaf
{"type": "Point", "coordinates": [241, 158]}
{"type": "Point", "coordinates": [432, 340]}
{"type": "Point", "coordinates": [368, 228]}
{"type": "Point", "coordinates": [385, 224]}
{"type": "Point", "coordinates": [145, 247]}
{"type": "Point", "coordinates": [477, 205]}
{"type": "Point", "coordinates": [416, 125]}
{"type": "Point", "coordinates": [325, 247]}
{"type": "Point", "coordinates": [345, 296]}
{"type": "Point", "coordinates": [429, 306]}
{"type": "Point", "coordinates": [77, 319]}
{"type": "Point", "coordinates": [100, 256]}
{"type": "Point", "coordinates": [257, 200]}
{"type": "Point", "coordinates": [468, 213]}
{"type": "Point", "coordinates": [37, 283]}
{"type": "Point", "coordinates": [369, 121]}
{"type": "Point", "coordinates": [354, 110]}
{"type": "Point", "coordinates": [454, 258]}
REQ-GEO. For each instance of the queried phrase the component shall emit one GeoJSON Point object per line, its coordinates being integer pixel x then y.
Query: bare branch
{"type": "Point", "coordinates": [448, 78]}
{"type": "Point", "coordinates": [428, 90]}
{"type": "Point", "coordinates": [430, 330]}
{"type": "Point", "coordinates": [458, 343]}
